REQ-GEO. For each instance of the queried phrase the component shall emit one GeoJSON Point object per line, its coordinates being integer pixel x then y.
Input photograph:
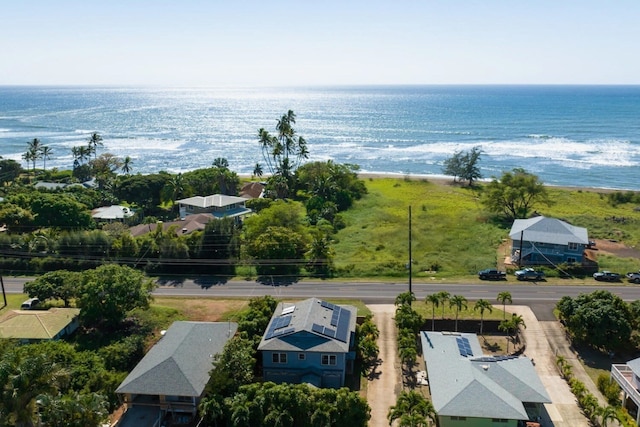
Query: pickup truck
{"type": "Point", "coordinates": [634, 277]}
{"type": "Point", "coordinates": [529, 274]}
{"type": "Point", "coordinates": [492, 274]}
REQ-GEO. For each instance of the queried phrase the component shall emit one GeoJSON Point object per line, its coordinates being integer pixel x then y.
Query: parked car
{"type": "Point", "coordinates": [606, 276]}
{"type": "Point", "coordinates": [492, 274]}
{"type": "Point", "coordinates": [30, 304]}
{"type": "Point", "coordinates": [634, 277]}
{"type": "Point", "coordinates": [529, 274]}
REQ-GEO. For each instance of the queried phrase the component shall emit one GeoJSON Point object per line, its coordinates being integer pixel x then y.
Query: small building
{"type": "Point", "coordinates": [37, 325]}
{"type": "Point", "coordinates": [469, 388]}
{"type": "Point", "coordinates": [311, 341]}
{"type": "Point", "coordinates": [627, 376]}
{"type": "Point", "coordinates": [547, 241]}
{"type": "Point", "coordinates": [170, 379]}
{"type": "Point", "coordinates": [218, 205]}
{"type": "Point", "coordinates": [191, 223]}
{"type": "Point", "coordinates": [112, 213]}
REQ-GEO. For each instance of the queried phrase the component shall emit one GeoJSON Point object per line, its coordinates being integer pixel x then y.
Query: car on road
{"type": "Point", "coordinates": [634, 277]}
{"type": "Point", "coordinates": [529, 274]}
{"type": "Point", "coordinates": [492, 274]}
{"type": "Point", "coordinates": [607, 276]}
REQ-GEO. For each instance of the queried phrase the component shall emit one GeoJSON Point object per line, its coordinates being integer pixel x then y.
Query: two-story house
{"type": "Point", "coordinates": [218, 205]}
{"type": "Point", "coordinates": [547, 241]}
{"type": "Point", "coordinates": [311, 341]}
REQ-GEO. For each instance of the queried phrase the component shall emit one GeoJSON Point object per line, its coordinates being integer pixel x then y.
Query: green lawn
{"type": "Point", "coordinates": [452, 235]}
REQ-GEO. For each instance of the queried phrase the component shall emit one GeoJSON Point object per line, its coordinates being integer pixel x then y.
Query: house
{"type": "Point", "coordinates": [37, 325]}
{"type": "Point", "coordinates": [469, 388]}
{"type": "Point", "coordinates": [547, 241]}
{"type": "Point", "coordinates": [191, 223]}
{"type": "Point", "coordinates": [627, 376]}
{"type": "Point", "coordinates": [170, 379]}
{"type": "Point", "coordinates": [311, 341]}
{"type": "Point", "coordinates": [112, 213]}
{"type": "Point", "coordinates": [252, 190]}
{"type": "Point", "coordinates": [218, 205]}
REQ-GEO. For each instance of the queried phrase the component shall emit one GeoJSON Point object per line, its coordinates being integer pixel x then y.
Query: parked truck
{"type": "Point", "coordinates": [492, 274]}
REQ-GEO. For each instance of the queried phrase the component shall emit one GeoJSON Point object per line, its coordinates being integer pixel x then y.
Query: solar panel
{"type": "Point", "coordinates": [317, 328]}
{"type": "Point", "coordinates": [461, 347]}
{"type": "Point", "coordinates": [342, 333]}
{"type": "Point", "coordinates": [335, 316]}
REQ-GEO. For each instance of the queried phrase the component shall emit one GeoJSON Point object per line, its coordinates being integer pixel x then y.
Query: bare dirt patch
{"type": "Point", "coordinates": [202, 309]}
{"type": "Point", "coordinates": [618, 249]}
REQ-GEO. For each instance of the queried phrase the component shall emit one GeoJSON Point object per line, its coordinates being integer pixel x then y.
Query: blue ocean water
{"type": "Point", "coordinates": [586, 136]}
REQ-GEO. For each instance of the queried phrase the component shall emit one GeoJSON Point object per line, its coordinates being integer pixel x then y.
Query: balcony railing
{"type": "Point", "coordinates": [623, 375]}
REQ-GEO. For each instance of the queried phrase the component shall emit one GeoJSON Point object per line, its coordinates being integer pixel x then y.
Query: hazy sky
{"type": "Point", "coordinates": [319, 42]}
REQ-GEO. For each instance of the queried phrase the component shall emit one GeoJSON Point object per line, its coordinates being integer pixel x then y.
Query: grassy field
{"type": "Point", "coordinates": [452, 235]}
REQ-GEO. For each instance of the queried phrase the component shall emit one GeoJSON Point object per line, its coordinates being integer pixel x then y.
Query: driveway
{"type": "Point", "coordinates": [385, 381]}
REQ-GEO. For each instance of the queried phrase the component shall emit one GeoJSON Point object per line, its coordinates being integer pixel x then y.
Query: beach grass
{"type": "Point", "coordinates": [453, 236]}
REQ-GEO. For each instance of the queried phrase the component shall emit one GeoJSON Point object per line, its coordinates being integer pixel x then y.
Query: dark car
{"type": "Point", "coordinates": [529, 274]}
{"type": "Point", "coordinates": [492, 274]}
{"type": "Point", "coordinates": [606, 276]}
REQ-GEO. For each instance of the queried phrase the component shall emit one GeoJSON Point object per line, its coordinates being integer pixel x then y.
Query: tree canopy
{"type": "Point", "coordinates": [463, 165]}
{"type": "Point", "coordinates": [515, 194]}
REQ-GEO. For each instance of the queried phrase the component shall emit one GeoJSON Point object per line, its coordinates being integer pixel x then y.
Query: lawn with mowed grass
{"type": "Point", "coordinates": [453, 236]}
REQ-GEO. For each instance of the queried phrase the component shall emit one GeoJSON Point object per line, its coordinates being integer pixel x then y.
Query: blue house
{"type": "Point", "coordinates": [547, 241]}
{"type": "Point", "coordinates": [311, 341]}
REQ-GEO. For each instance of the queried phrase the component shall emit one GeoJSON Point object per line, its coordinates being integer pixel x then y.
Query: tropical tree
{"type": "Point", "coordinates": [482, 305]}
{"type": "Point", "coordinates": [175, 188]}
{"type": "Point", "coordinates": [405, 298]}
{"type": "Point", "coordinates": [515, 194]}
{"type": "Point", "coordinates": [46, 152]}
{"type": "Point", "coordinates": [434, 300]}
{"type": "Point", "coordinates": [464, 165]}
{"type": "Point", "coordinates": [257, 171]}
{"type": "Point", "coordinates": [412, 410]}
{"type": "Point", "coordinates": [457, 301]}
{"type": "Point", "coordinates": [444, 297]}
{"type": "Point", "coordinates": [30, 156]}
{"type": "Point", "coordinates": [94, 141]}
{"type": "Point", "coordinates": [504, 297]}
{"type": "Point", "coordinates": [607, 413]}
{"type": "Point", "coordinates": [126, 165]}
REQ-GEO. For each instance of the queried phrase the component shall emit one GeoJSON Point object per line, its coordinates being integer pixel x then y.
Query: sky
{"type": "Point", "coordinates": [328, 42]}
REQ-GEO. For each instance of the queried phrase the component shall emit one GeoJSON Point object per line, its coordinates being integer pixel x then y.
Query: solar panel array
{"type": "Point", "coordinates": [340, 319]}
{"type": "Point", "coordinates": [464, 346]}
{"type": "Point", "coordinates": [277, 327]}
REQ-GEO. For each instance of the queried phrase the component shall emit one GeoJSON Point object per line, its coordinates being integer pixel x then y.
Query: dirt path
{"type": "Point", "coordinates": [384, 382]}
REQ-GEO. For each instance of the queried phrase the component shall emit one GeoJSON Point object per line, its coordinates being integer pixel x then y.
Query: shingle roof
{"type": "Point", "coordinates": [548, 230]}
{"type": "Point", "coordinates": [311, 325]}
{"type": "Point", "coordinates": [476, 385]}
{"type": "Point", "coordinates": [179, 364]}
{"type": "Point", "coordinates": [37, 324]}
{"type": "Point", "coordinates": [196, 222]}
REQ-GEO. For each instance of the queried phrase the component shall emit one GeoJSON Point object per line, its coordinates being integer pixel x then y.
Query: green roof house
{"type": "Point", "coordinates": [37, 325]}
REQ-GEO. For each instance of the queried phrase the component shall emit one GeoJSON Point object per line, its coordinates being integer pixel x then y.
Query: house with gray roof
{"type": "Point", "coordinates": [547, 241]}
{"type": "Point", "coordinates": [469, 388]}
{"type": "Point", "coordinates": [170, 380]}
{"type": "Point", "coordinates": [112, 213]}
{"type": "Point", "coordinates": [218, 205]}
{"type": "Point", "coordinates": [627, 375]}
{"type": "Point", "coordinates": [311, 341]}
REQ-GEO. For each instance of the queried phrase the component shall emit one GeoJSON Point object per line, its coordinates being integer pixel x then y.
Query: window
{"type": "Point", "coordinates": [279, 357]}
{"type": "Point", "coordinates": [329, 359]}
{"type": "Point", "coordinates": [573, 246]}
{"type": "Point", "coordinates": [302, 356]}
{"type": "Point", "coordinates": [499, 420]}
{"type": "Point", "coordinates": [454, 418]}
{"type": "Point", "coordinates": [571, 260]}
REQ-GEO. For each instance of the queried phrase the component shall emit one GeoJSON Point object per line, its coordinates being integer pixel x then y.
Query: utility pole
{"type": "Point", "coordinates": [4, 294]}
{"type": "Point", "coordinates": [410, 256]}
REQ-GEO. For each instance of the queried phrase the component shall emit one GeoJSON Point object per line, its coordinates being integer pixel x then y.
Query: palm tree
{"type": "Point", "coordinates": [95, 141]}
{"type": "Point", "coordinates": [434, 300]}
{"type": "Point", "coordinates": [221, 162]}
{"type": "Point", "coordinates": [126, 165]}
{"type": "Point", "coordinates": [412, 409]}
{"type": "Point", "coordinates": [444, 297]}
{"type": "Point", "coordinates": [46, 153]}
{"type": "Point", "coordinates": [30, 156]}
{"type": "Point", "coordinates": [482, 305]}
{"type": "Point", "coordinates": [504, 297]}
{"type": "Point", "coordinates": [458, 301]}
{"type": "Point", "coordinates": [607, 413]}
{"type": "Point", "coordinates": [257, 170]}
{"type": "Point", "coordinates": [405, 298]}
{"type": "Point", "coordinates": [505, 326]}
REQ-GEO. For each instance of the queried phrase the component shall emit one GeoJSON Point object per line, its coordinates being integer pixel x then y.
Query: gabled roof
{"type": "Point", "coordinates": [216, 200]}
{"type": "Point", "coordinates": [548, 230]}
{"type": "Point", "coordinates": [310, 325]}
{"type": "Point", "coordinates": [190, 223]}
{"type": "Point", "coordinates": [179, 364]}
{"type": "Point", "coordinates": [112, 212]}
{"type": "Point", "coordinates": [37, 324]}
{"type": "Point", "coordinates": [635, 366]}
{"type": "Point", "coordinates": [466, 383]}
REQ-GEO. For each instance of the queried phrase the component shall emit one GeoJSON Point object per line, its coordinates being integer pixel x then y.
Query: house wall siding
{"type": "Point", "coordinates": [333, 376]}
{"type": "Point", "coordinates": [537, 253]}
{"type": "Point", "coordinates": [445, 421]}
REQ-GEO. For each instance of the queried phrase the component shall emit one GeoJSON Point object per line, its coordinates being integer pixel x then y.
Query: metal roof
{"type": "Point", "coordinates": [548, 230]}
{"type": "Point", "coordinates": [215, 200]}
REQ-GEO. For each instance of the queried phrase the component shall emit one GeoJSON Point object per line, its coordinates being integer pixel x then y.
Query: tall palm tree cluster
{"type": "Point", "coordinates": [36, 151]}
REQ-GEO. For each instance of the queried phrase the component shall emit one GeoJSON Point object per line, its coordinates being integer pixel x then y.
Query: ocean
{"type": "Point", "coordinates": [585, 136]}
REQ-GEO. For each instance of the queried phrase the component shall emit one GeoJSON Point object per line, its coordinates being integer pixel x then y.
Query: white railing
{"type": "Point", "coordinates": [618, 373]}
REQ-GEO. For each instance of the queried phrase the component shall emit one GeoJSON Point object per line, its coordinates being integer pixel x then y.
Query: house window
{"type": "Point", "coordinates": [329, 359]}
{"type": "Point", "coordinates": [573, 246]}
{"type": "Point", "coordinates": [571, 260]}
{"type": "Point", "coordinates": [279, 357]}
{"type": "Point", "coordinates": [454, 418]}
{"type": "Point", "coordinates": [302, 356]}
{"type": "Point", "coordinates": [499, 420]}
